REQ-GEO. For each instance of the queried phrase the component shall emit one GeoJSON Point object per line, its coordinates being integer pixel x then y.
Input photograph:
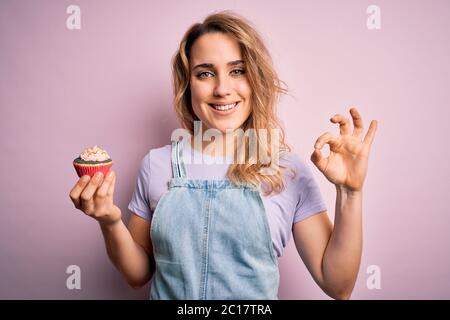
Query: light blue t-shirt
{"type": "Point", "coordinates": [300, 199]}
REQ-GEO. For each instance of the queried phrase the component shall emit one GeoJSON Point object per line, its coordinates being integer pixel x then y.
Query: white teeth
{"type": "Point", "coordinates": [225, 107]}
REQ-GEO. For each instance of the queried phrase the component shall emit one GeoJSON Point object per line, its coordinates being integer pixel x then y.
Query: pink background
{"type": "Point", "coordinates": [110, 84]}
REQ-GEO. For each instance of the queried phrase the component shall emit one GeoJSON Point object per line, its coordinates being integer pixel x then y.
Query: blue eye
{"type": "Point", "coordinates": [201, 74]}
{"type": "Point", "coordinates": [241, 71]}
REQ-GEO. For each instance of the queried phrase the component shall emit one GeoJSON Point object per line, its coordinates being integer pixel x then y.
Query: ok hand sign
{"type": "Point", "coordinates": [346, 165]}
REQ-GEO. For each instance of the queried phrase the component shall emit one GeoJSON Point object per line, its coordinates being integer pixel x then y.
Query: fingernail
{"type": "Point", "coordinates": [111, 175]}
{"type": "Point", "coordinates": [85, 178]}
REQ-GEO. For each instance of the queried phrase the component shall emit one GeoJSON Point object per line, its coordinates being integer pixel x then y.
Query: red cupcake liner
{"type": "Point", "coordinates": [90, 170]}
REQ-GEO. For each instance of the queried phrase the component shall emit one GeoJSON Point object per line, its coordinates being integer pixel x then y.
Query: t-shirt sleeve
{"type": "Point", "coordinates": [140, 203]}
{"type": "Point", "coordinates": [310, 200]}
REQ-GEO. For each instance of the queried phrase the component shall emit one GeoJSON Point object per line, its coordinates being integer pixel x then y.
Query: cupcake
{"type": "Point", "coordinates": [92, 160]}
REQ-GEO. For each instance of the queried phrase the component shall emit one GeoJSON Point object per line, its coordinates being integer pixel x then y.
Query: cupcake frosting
{"type": "Point", "coordinates": [94, 154]}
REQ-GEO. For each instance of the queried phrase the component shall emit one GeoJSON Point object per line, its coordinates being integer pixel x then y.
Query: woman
{"type": "Point", "coordinates": [214, 231]}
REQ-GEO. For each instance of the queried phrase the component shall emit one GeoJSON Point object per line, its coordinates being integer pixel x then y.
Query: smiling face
{"type": "Point", "coordinates": [220, 92]}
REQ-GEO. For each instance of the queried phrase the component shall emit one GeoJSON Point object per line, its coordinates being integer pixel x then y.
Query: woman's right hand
{"type": "Point", "coordinates": [94, 196]}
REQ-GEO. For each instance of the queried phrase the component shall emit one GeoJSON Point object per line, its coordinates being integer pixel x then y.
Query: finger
{"type": "Point", "coordinates": [368, 139]}
{"type": "Point", "coordinates": [326, 138]}
{"type": "Point", "coordinates": [77, 189]}
{"type": "Point", "coordinates": [103, 190]}
{"type": "Point", "coordinates": [112, 185]}
{"type": "Point", "coordinates": [87, 203]}
{"type": "Point", "coordinates": [319, 160]}
{"type": "Point", "coordinates": [357, 123]}
{"type": "Point", "coordinates": [344, 124]}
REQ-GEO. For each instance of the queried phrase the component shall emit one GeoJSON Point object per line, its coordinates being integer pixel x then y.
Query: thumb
{"type": "Point", "coordinates": [113, 183]}
{"type": "Point", "coordinates": [318, 160]}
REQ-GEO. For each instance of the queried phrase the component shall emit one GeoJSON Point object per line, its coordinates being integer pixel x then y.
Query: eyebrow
{"type": "Point", "coordinates": [210, 65]}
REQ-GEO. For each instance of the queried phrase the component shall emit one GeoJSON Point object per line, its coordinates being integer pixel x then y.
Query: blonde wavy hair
{"type": "Point", "coordinates": [266, 90]}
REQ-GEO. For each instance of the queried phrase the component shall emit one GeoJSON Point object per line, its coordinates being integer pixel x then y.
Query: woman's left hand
{"type": "Point", "coordinates": [346, 165]}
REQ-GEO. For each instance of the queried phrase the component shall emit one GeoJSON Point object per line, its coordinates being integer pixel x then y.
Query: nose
{"type": "Point", "coordinates": [222, 86]}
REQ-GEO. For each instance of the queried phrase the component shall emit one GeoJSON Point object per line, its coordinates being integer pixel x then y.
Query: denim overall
{"type": "Point", "coordinates": [211, 240]}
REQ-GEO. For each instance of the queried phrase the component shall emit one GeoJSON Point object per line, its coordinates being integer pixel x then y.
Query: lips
{"type": "Point", "coordinates": [224, 106]}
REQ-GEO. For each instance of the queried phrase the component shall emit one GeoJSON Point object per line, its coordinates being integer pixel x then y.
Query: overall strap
{"type": "Point", "coordinates": [178, 168]}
